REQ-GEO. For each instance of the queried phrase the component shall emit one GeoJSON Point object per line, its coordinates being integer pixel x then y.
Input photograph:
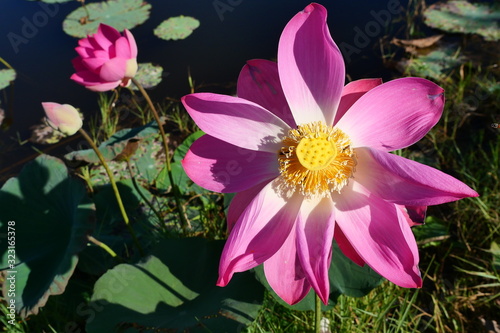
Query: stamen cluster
{"type": "Point", "coordinates": [316, 159]}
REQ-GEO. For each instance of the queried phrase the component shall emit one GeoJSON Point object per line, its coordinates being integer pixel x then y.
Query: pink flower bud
{"type": "Point", "coordinates": [106, 59]}
{"type": "Point", "coordinates": [63, 117]}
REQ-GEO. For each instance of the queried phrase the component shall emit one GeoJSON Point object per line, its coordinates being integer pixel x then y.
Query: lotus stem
{"type": "Point", "coordinates": [180, 208]}
{"type": "Point", "coordinates": [105, 248]}
{"type": "Point", "coordinates": [115, 190]}
{"type": "Point", "coordinates": [317, 315]}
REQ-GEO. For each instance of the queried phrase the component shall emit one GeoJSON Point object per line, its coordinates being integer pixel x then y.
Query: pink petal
{"type": "Point", "coordinates": [106, 36]}
{"type": "Point", "coordinates": [406, 182]}
{"type": "Point", "coordinates": [131, 43]}
{"type": "Point", "coordinates": [240, 202]}
{"type": "Point", "coordinates": [222, 167]}
{"type": "Point", "coordinates": [259, 233]}
{"type": "Point", "coordinates": [284, 272]}
{"type": "Point", "coordinates": [113, 70]}
{"type": "Point", "coordinates": [352, 92]}
{"type": "Point", "coordinates": [122, 48]}
{"type": "Point", "coordinates": [84, 52]}
{"type": "Point", "coordinates": [379, 233]}
{"type": "Point", "coordinates": [85, 43]}
{"type": "Point", "coordinates": [259, 82]}
{"type": "Point", "coordinates": [315, 227]}
{"type": "Point", "coordinates": [394, 115]}
{"type": "Point", "coordinates": [236, 121]}
{"type": "Point", "coordinates": [416, 214]}
{"type": "Point", "coordinates": [311, 67]}
{"type": "Point", "coordinates": [93, 43]}
{"type": "Point", "coordinates": [346, 247]}
{"type": "Point", "coordinates": [94, 64]}
{"type": "Point", "coordinates": [51, 109]}
{"type": "Point", "coordinates": [89, 80]}
{"type": "Point", "coordinates": [78, 65]}
{"type": "Point", "coordinates": [100, 87]}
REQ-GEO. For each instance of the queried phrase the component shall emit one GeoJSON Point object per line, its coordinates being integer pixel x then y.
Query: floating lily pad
{"type": "Point", "coordinates": [47, 214]}
{"type": "Point", "coordinates": [147, 161]}
{"type": "Point", "coordinates": [6, 77]}
{"type": "Point", "coordinates": [148, 75]}
{"type": "Point", "coordinates": [174, 290]}
{"type": "Point", "coordinates": [465, 17]}
{"type": "Point", "coordinates": [175, 28]}
{"type": "Point", "coordinates": [436, 64]}
{"type": "Point", "coordinates": [120, 14]}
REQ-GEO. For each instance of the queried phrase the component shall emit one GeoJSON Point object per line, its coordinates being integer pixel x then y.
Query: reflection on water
{"type": "Point", "coordinates": [231, 32]}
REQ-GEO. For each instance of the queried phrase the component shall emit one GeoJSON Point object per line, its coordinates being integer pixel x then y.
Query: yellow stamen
{"type": "Point", "coordinates": [316, 159]}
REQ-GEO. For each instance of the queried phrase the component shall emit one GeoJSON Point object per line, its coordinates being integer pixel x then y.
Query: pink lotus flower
{"type": "Point", "coordinates": [309, 158]}
{"type": "Point", "coordinates": [63, 117]}
{"type": "Point", "coordinates": [106, 59]}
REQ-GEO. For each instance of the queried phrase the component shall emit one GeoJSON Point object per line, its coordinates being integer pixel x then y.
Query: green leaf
{"type": "Point", "coordinates": [146, 162]}
{"type": "Point", "coordinates": [495, 251]}
{"type": "Point", "coordinates": [110, 227]}
{"type": "Point", "coordinates": [433, 232]}
{"type": "Point", "coordinates": [50, 212]}
{"type": "Point", "coordinates": [465, 17]}
{"type": "Point", "coordinates": [180, 178]}
{"type": "Point", "coordinates": [345, 276]}
{"type": "Point", "coordinates": [120, 14]}
{"type": "Point", "coordinates": [148, 75]}
{"type": "Point", "coordinates": [436, 64]}
{"type": "Point", "coordinates": [175, 28]}
{"type": "Point", "coordinates": [174, 289]}
{"type": "Point", "coordinates": [6, 77]}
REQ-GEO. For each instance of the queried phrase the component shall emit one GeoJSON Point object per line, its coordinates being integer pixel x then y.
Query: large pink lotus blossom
{"type": "Point", "coordinates": [106, 59]}
{"type": "Point", "coordinates": [309, 159]}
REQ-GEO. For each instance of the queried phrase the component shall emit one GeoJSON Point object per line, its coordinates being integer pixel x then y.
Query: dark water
{"type": "Point", "coordinates": [32, 41]}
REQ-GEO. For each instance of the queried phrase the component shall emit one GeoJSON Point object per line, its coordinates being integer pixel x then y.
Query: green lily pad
{"type": "Point", "coordinates": [175, 28]}
{"type": "Point", "coordinates": [174, 290]}
{"type": "Point", "coordinates": [147, 161]}
{"type": "Point", "coordinates": [47, 214]}
{"type": "Point", "coordinates": [465, 17]}
{"type": "Point", "coordinates": [436, 64]}
{"type": "Point", "coordinates": [120, 14]}
{"type": "Point", "coordinates": [6, 77]}
{"type": "Point", "coordinates": [345, 276]}
{"type": "Point", "coordinates": [180, 178]}
{"type": "Point", "coordinates": [148, 75]}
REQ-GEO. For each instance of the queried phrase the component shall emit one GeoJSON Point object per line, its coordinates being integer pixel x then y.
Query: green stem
{"type": "Point", "coordinates": [180, 208]}
{"type": "Point", "coordinates": [105, 248]}
{"type": "Point", "coordinates": [115, 190]}
{"type": "Point", "coordinates": [2, 60]}
{"type": "Point", "coordinates": [317, 315]}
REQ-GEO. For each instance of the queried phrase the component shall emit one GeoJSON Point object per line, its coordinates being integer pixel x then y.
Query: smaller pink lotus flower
{"type": "Point", "coordinates": [63, 117]}
{"type": "Point", "coordinates": [106, 59]}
